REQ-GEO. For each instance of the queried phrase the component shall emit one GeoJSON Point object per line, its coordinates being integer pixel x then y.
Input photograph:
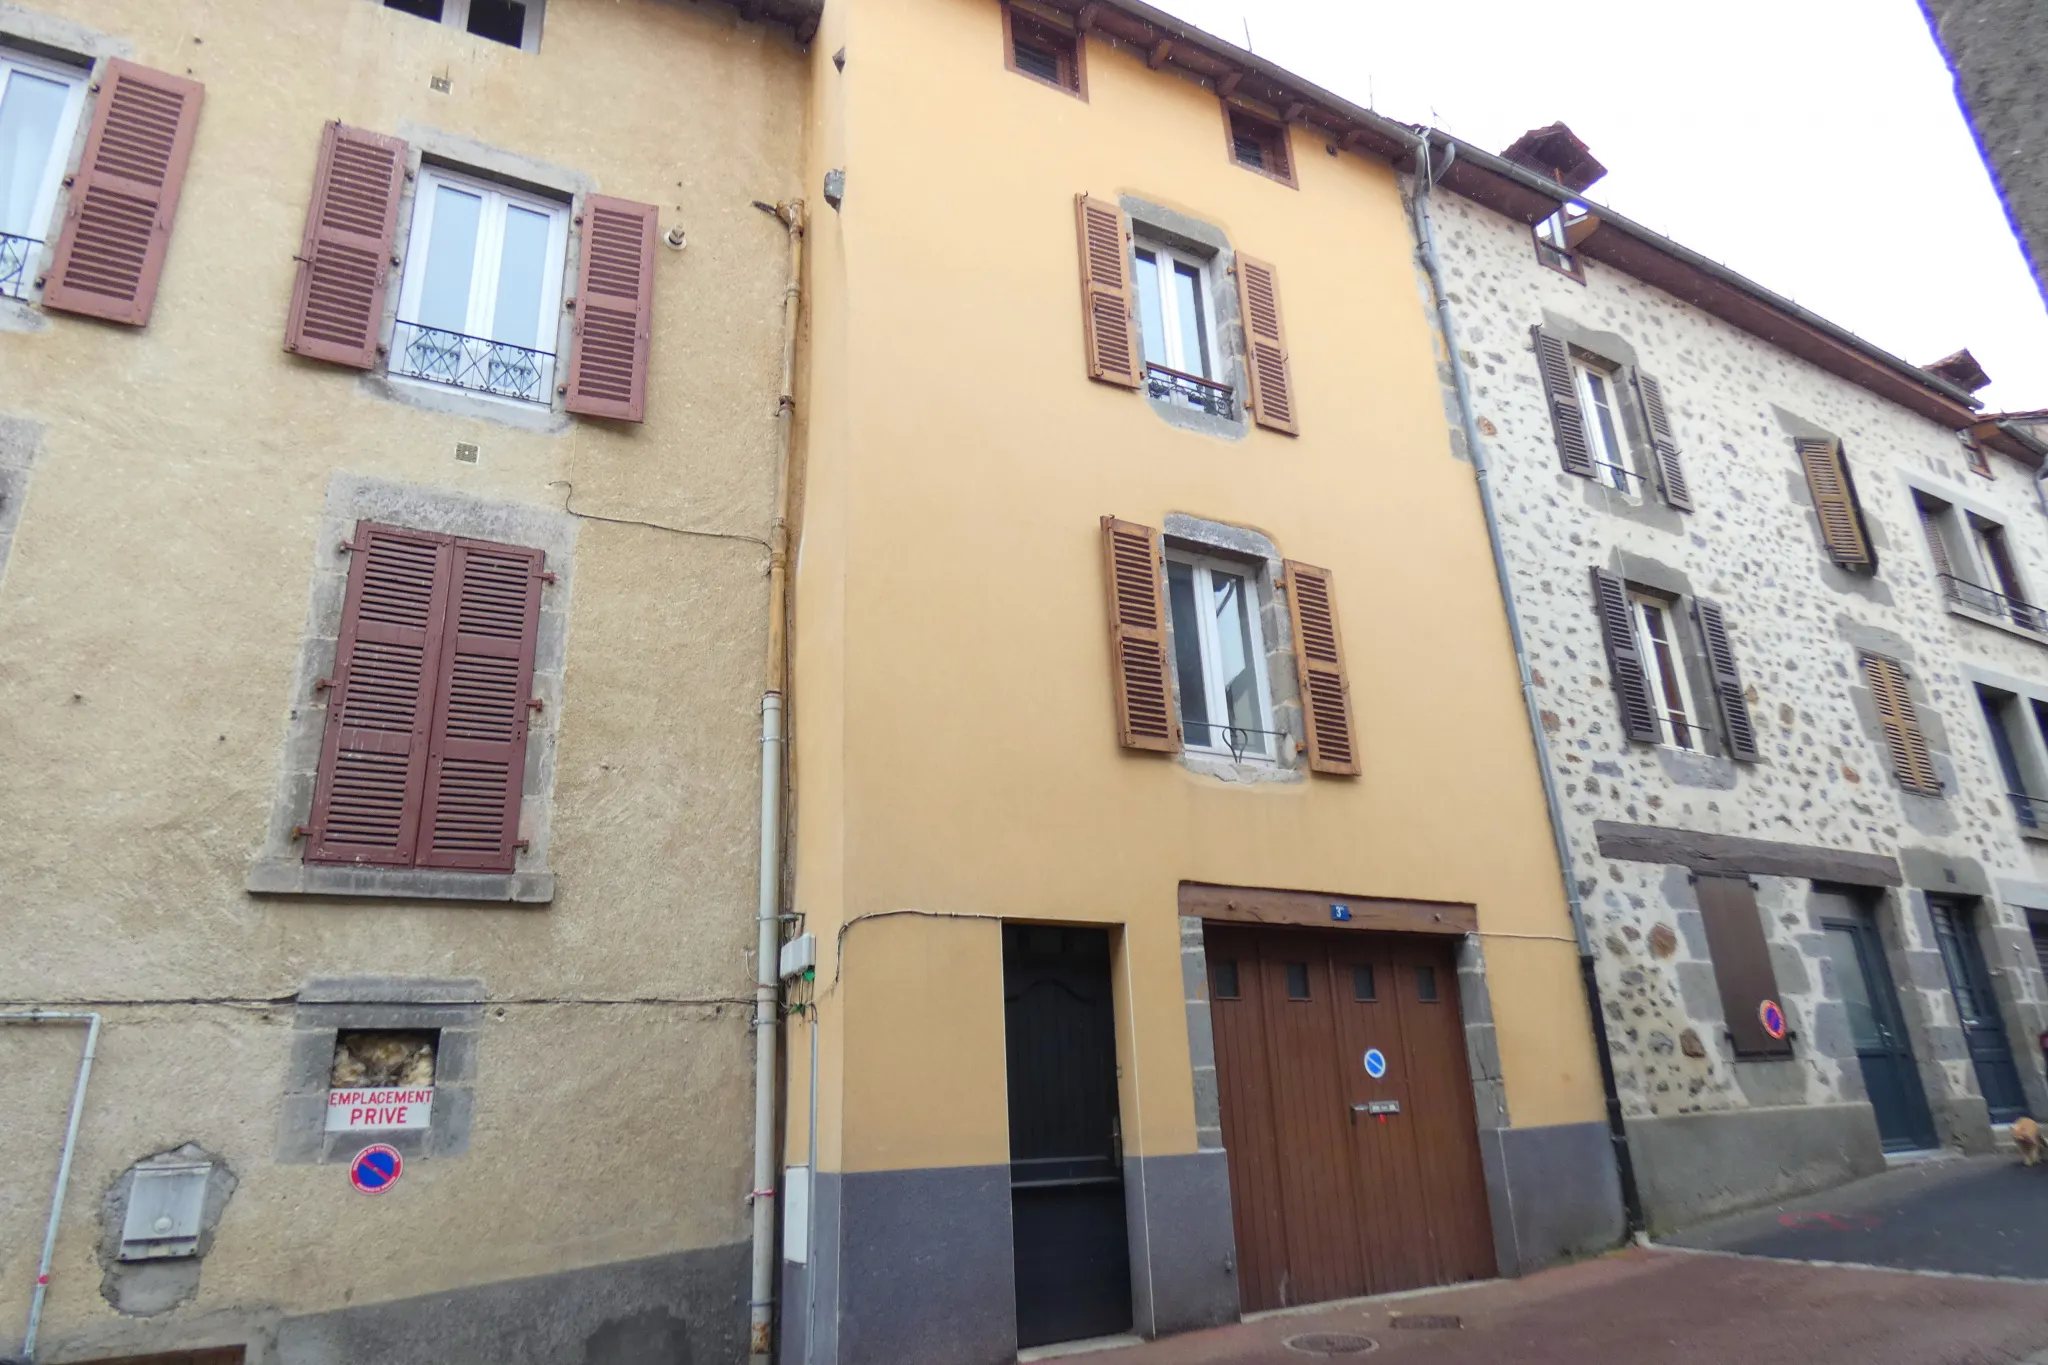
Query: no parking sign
{"type": "Point", "coordinates": [376, 1168]}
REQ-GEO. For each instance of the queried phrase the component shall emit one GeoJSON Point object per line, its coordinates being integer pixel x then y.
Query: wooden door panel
{"type": "Point", "coordinates": [1445, 1127]}
{"type": "Point", "coordinates": [1256, 1207]}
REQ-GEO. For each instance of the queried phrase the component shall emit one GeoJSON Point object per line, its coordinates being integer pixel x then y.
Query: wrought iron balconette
{"type": "Point", "coordinates": [1218, 400]}
{"type": "Point", "coordinates": [18, 257]}
{"type": "Point", "coordinates": [1990, 602]}
{"type": "Point", "coordinates": [478, 364]}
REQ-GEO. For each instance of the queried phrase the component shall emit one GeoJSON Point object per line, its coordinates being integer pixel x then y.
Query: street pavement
{"type": "Point", "coordinates": [1982, 1216]}
{"type": "Point", "coordinates": [1698, 1304]}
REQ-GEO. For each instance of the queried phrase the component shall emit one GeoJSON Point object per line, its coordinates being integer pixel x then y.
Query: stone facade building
{"type": "Point", "coordinates": [1777, 607]}
{"type": "Point", "coordinates": [388, 443]}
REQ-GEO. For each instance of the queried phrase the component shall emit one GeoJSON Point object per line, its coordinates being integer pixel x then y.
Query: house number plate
{"type": "Point", "coordinates": [1378, 1107]}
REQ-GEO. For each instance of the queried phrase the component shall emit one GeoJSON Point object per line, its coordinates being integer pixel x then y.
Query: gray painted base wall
{"type": "Point", "coordinates": [1694, 1166]}
{"type": "Point", "coordinates": [1183, 1246]}
{"type": "Point", "coordinates": [689, 1308]}
{"type": "Point", "coordinates": [1554, 1192]}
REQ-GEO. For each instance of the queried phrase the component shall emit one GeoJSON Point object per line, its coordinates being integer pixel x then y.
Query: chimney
{"type": "Point", "coordinates": [1961, 370]}
{"type": "Point", "coordinates": [1556, 153]}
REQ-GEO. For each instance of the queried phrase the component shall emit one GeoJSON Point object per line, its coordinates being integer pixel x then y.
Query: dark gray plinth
{"type": "Point", "coordinates": [1691, 1167]}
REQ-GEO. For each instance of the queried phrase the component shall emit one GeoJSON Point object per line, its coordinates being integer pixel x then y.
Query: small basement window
{"type": "Point", "coordinates": [515, 23]}
{"type": "Point", "coordinates": [1036, 46]}
{"type": "Point", "coordinates": [1259, 144]}
{"type": "Point", "coordinates": [382, 1079]}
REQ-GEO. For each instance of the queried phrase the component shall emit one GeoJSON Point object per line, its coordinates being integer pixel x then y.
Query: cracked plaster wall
{"type": "Point", "coordinates": [1796, 623]}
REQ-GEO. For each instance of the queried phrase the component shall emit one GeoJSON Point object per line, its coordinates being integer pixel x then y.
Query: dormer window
{"type": "Point", "coordinates": [1037, 46]}
{"type": "Point", "coordinates": [1558, 237]}
{"type": "Point", "coordinates": [1259, 144]}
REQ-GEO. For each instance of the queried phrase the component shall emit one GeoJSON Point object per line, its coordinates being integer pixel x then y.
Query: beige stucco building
{"type": "Point", "coordinates": [239, 844]}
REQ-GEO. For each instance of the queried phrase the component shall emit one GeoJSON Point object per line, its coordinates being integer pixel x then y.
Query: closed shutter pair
{"type": "Point", "coordinates": [1568, 421]}
{"type": "Point", "coordinates": [1912, 759]}
{"type": "Point", "coordinates": [345, 259]}
{"type": "Point", "coordinates": [1835, 502]}
{"type": "Point", "coordinates": [1109, 316]}
{"type": "Point", "coordinates": [1629, 669]}
{"type": "Point", "coordinates": [1140, 658]}
{"type": "Point", "coordinates": [423, 760]}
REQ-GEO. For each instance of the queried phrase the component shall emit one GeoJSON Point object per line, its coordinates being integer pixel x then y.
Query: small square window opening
{"type": "Point", "coordinates": [1044, 51]}
{"type": "Point", "coordinates": [371, 1059]}
{"type": "Point", "coordinates": [1670, 690]}
{"type": "Point", "coordinates": [502, 21]}
{"type": "Point", "coordinates": [1223, 976]}
{"type": "Point", "coordinates": [1297, 981]}
{"type": "Point", "coordinates": [1425, 985]}
{"type": "Point", "coordinates": [1260, 144]}
{"type": "Point", "coordinates": [1600, 400]}
{"type": "Point", "coordinates": [1556, 240]}
{"type": "Point", "coordinates": [1363, 987]}
{"type": "Point", "coordinates": [1177, 332]}
{"type": "Point", "coordinates": [39, 107]}
{"type": "Point", "coordinates": [482, 290]}
{"type": "Point", "coordinates": [515, 23]}
{"type": "Point", "coordinates": [1219, 655]}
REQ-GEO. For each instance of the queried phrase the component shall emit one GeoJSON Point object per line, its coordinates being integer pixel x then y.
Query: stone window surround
{"type": "Point", "coordinates": [426, 145]}
{"type": "Point", "coordinates": [1201, 239]}
{"type": "Point", "coordinates": [278, 867]}
{"type": "Point", "coordinates": [2032, 745]}
{"type": "Point", "coordinates": [1647, 576]}
{"type": "Point", "coordinates": [1964, 553]}
{"type": "Point", "coordinates": [1647, 507]}
{"type": "Point", "coordinates": [1927, 814]}
{"type": "Point", "coordinates": [326, 1006]}
{"type": "Point", "coordinates": [1258, 553]}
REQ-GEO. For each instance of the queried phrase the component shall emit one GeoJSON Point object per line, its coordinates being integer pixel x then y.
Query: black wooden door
{"type": "Point", "coordinates": [1864, 979]}
{"type": "Point", "coordinates": [1066, 1148]}
{"type": "Point", "coordinates": [1983, 1030]}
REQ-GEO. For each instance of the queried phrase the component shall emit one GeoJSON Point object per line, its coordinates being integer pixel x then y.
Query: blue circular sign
{"type": "Point", "coordinates": [1375, 1063]}
{"type": "Point", "coordinates": [1773, 1019]}
{"type": "Point", "coordinates": [376, 1168]}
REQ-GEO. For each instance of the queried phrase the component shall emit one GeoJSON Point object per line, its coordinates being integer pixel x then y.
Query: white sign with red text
{"type": "Point", "coordinates": [384, 1107]}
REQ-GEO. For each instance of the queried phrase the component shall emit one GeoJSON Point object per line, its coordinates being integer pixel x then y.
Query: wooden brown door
{"type": "Point", "coordinates": [1343, 1182]}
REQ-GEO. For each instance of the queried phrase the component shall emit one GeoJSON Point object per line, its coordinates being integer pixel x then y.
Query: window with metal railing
{"type": "Point", "coordinates": [1991, 602]}
{"type": "Point", "coordinates": [482, 290]}
{"type": "Point", "coordinates": [40, 102]}
{"type": "Point", "coordinates": [1177, 331]}
{"type": "Point", "coordinates": [1600, 402]}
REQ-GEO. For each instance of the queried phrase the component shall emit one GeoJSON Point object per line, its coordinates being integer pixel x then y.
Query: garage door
{"type": "Point", "coordinates": [1342, 1182]}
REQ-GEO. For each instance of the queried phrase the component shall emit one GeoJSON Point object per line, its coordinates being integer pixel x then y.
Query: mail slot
{"type": "Point", "coordinates": [1377, 1107]}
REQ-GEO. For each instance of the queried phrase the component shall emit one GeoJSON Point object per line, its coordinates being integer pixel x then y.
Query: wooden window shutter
{"type": "Point", "coordinates": [614, 310]}
{"type": "Point", "coordinates": [373, 757]}
{"type": "Point", "coordinates": [1145, 714]}
{"type": "Point", "coordinates": [1742, 963]}
{"type": "Point", "coordinates": [1670, 469]}
{"type": "Point", "coordinates": [1912, 763]}
{"type": "Point", "coordinates": [1106, 293]}
{"type": "Point", "coordinates": [1265, 343]}
{"type": "Point", "coordinates": [1834, 501]}
{"type": "Point", "coordinates": [477, 763]}
{"type": "Point", "coordinates": [117, 225]}
{"type": "Point", "coordinates": [1937, 545]}
{"type": "Point", "coordinates": [1728, 694]}
{"type": "Point", "coordinates": [1319, 656]}
{"type": "Point", "coordinates": [1625, 658]}
{"type": "Point", "coordinates": [345, 253]}
{"type": "Point", "coordinates": [1554, 363]}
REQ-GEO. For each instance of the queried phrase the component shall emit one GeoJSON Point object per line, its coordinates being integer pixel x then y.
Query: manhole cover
{"type": "Point", "coordinates": [1433, 1322]}
{"type": "Point", "coordinates": [1331, 1344]}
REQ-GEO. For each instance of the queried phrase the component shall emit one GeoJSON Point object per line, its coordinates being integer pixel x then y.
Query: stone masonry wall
{"type": "Point", "coordinates": [1796, 623]}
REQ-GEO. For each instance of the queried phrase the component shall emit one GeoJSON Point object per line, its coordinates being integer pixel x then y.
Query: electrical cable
{"type": "Point", "coordinates": [570, 497]}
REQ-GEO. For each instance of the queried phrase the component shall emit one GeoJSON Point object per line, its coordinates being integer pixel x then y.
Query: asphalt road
{"type": "Point", "coordinates": [1980, 1216]}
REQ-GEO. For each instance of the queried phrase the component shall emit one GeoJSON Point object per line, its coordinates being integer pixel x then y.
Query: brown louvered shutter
{"type": "Point", "coordinates": [1912, 764]}
{"type": "Point", "coordinates": [1106, 306]}
{"type": "Point", "coordinates": [1554, 363]}
{"type": "Point", "coordinates": [1145, 716]}
{"type": "Point", "coordinates": [477, 763]}
{"type": "Point", "coordinates": [1670, 469]}
{"type": "Point", "coordinates": [373, 757]}
{"type": "Point", "coordinates": [1625, 658]}
{"type": "Point", "coordinates": [614, 310]}
{"type": "Point", "coordinates": [345, 253]}
{"type": "Point", "coordinates": [1834, 501]}
{"type": "Point", "coordinates": [1319, 657]}
{"type": "Point", "coordinates": [1728, 694]}
{"type": "Point", "coordinates": [1937, 544]}
{"type": "Point", "coordinates": [1265, 341]}
{"type": "Point", "coordinates": [117, 225]}
{"type": "Point", "coordinates": [1742, 963]}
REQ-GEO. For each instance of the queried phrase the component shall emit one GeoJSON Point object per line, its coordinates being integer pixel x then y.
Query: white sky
{"type": "Point", "coordinates": [1813, 145]}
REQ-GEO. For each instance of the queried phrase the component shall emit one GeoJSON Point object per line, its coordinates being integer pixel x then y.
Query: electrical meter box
{"type": "Point", "coordinates": [165, 1204]}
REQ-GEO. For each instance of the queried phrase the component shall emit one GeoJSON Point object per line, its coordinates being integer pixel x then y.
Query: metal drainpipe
{"type": "Point", "coordinates": [92, 1042]}
{"type": "Point", "coordinates": [1425, 236]}
{"type": "Point", "coordinates": [767, 949]}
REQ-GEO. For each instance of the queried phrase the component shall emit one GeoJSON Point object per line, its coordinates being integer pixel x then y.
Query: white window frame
{"type": "Point", "coordinates": [1613, 467]}
{"type": "Point", "coordinates": [485, 267]}
{"type": "Point", "coordinates": [1647, 645]}
{"type": "Point", "coordinates": [1169, 259]}
{"type": "Point", "coordinates": [455, 15]}
{"type": "Point", "coordinates": [43, 211]}
{"type": "Point", "coordinates": [1213, 681]}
